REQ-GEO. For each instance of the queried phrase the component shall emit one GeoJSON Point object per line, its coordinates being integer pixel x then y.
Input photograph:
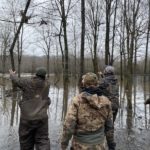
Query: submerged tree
{"type": "Point", "coordinates": [45, 43]}
{"type": "Point", "coordinates": [63, 12]}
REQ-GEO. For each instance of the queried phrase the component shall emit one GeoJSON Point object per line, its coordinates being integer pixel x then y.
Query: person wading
{"type": "Point", "coordinates": [33, 127]}
{"type": "Point", "coordinates": [89, 119]}
{"type": "Point", "coordinates": [110, 83]}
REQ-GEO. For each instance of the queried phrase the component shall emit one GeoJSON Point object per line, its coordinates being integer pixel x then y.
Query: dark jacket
{"type": "Point", "coordinates": [35, 101]}
{"type": "Point", "coordinates": [110, 84]}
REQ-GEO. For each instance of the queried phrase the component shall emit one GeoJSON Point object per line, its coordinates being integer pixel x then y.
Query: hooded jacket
{"type": "Point", "coordinates": [88, 114]}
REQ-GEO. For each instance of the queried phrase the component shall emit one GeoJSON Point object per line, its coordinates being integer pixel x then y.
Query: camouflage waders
{"type": "Point", "coordinates": [34, 133]}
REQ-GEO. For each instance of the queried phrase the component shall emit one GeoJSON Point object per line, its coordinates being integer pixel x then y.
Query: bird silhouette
{"type": "Point", "coordinates": [43, 22]}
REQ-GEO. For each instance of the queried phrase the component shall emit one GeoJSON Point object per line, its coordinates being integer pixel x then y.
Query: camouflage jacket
{"type": "Point", "coordinates": [35, 100]}
{"type": "Point", "coordinates": [88, 113]}
{"type": "Point", "coordinates": [110, 83]}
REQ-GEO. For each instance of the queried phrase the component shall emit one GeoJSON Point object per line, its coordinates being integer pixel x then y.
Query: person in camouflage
{"type": "Point", "coordinates": [110, 83]}
{"type": "Point", "coordinates": [33, 127]}
{"type": "Point", "coordinates": [89, 119]}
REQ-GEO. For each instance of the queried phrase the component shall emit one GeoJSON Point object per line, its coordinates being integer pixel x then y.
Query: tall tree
{"type": "Point", "coordinates": [94, 16]}
{"type": "Point", "coordinates": [107, 35]}
{"type": "Point", "coordinates": [11, 49]}
{"type": "Point", "coordinates": [5, 42]}
{"type": "Point", "coordinates": [82, 40]}
{"type": "Point", "coordinates": [20, 51]}
{"type": "Point", "coordinates": [63, 12]}
{"type": "Point", "coordinates": [114, 32]}
{"type": "Point", "coordinates": [147, 40]}
{"type": "Point", "coordinates": [45, 43]}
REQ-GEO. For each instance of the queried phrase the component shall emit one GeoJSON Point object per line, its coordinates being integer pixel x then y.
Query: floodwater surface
{"type": "Point", "coordinates": [132, 127]}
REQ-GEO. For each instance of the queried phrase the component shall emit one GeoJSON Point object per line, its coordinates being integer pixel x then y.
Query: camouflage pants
{"type": "Point", "coordinates": [78, 146]}
{"type": "Point", "coordinates": [34, 133]}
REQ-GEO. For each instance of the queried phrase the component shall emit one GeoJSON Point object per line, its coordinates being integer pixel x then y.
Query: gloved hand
{"type": "Point", "coordinates": [111, 146]}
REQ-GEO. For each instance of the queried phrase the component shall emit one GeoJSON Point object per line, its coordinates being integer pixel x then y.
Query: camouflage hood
{"type": "Point", "coordinates": [92, 99]}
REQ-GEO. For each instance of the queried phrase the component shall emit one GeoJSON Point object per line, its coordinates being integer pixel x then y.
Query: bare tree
{"type": "Point", "coordinates": [107, 35]}
{"type": "Point", "coordinates": [147, 40]}
{"type": "Point", "coordinates": [114, 32]}
{"type": "Point", "coordinates": [82, 39]}
{"type": "Point", "coordinates": [94, 16]}
{"type": "Point", "coordinates": [20, 51]}
{"type": "Point", "coordinates": [63, 12]}
{"type": "Point", "coordinates": [130, 22]}
{"type": "Point", "coordinates": [17, 34]}
{"type": "Point", "coordinates": [5, 43]}
{"type": "Point", "coordinates": [11, 50]}
{"type": "Point", "coordinates": [45, 42]}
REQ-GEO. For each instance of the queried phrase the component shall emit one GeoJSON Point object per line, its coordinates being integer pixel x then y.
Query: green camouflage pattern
{"type": "Point", "coordinates": [88, 113]}
{"type": "Point", "coordinates": [90, 79]}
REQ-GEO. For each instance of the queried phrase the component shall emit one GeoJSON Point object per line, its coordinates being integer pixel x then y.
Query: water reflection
{"type": "Point", "coordinates": [133, 115]}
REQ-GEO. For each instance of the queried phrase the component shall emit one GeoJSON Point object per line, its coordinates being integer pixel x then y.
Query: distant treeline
{"type": "Point", "coordinates": [30, 63]}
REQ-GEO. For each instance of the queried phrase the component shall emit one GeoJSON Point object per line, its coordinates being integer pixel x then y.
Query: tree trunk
{"type": "Point", "coordinates": [82, 41]}
{"type": "Point", "coordinates": [4, 60]}
{"type": "Point", "coordinates": [147, 42]}
{"type": "Point", "coordinates": [20, 48]}
{"type": "Point", "coordinates": [17, 34]}
{"type": "Point", "coordinates": [114, 31]}
{"type": "Point", "coordinates": [107, 51]}
{"type": "Point", "coordinates": [75, 53]}
{"type": "Point", "coordinates": [48, 64]}
{"type": "Point", "coordinates": [95, 51]}
{"type": "Point", "coordinates": [66, 61]}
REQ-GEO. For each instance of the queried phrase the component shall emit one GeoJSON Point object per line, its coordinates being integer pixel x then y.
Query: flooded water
{"type": "Point", "coordinates": [132, 127]}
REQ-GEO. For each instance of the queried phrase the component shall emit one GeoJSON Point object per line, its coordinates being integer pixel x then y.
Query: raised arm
{"type": "Point", "coordinates": [17, 81]}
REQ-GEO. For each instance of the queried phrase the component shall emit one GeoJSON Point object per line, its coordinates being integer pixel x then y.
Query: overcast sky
{"type": "Point", "coordinates": [31, 36]}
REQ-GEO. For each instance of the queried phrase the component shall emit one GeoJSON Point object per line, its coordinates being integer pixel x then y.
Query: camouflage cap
{"type": "Point", "coordinates": [90, 79]}
{"type": "Point", "coordinates": [41, 71]}
{"type": "Point", "coordinates": [109, 70]}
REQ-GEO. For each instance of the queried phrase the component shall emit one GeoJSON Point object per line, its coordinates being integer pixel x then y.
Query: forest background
{"type": "Point", "coordinates": [75, 36]}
